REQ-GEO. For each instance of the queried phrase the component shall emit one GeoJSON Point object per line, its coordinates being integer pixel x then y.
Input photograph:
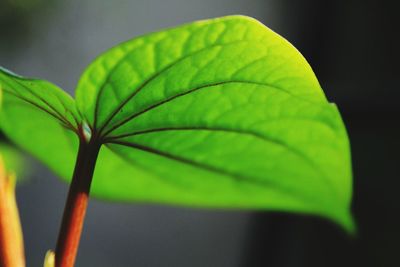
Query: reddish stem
{"type": "Point", "coordinates": [75, 208]}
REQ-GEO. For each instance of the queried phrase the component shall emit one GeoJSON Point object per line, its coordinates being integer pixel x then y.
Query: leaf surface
{"type": "Point", "coordinates": [42, 119]}
{"type": "Point", "coordinates": [216, 113]}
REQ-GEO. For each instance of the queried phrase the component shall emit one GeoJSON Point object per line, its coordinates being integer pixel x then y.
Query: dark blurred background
{"type": "Point", "coordinates": [350, 45]}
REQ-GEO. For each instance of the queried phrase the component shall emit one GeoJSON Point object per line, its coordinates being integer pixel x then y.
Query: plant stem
{"type": "Point", "coordinates": [75, 208]}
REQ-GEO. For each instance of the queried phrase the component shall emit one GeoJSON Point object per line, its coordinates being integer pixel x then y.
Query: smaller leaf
{"type": "Point", "coordinates": [41, 119]}
{"type": "Point", "coordinates": [42, 95]}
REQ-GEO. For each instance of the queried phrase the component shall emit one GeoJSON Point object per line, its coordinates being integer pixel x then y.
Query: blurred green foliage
{"type": "Point", "coordinates": [14, 161]}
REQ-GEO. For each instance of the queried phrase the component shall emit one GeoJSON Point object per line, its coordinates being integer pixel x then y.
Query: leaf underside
{"type": "Point", "coordinates": [216, 113]}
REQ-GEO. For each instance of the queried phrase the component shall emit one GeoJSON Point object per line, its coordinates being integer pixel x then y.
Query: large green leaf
{"type": "Point", "coordinates": [216, 113]}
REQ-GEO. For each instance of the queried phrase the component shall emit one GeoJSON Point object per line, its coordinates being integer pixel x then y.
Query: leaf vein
{"type": "Point", "coordinates": [147, 81]}
{"type": "Point", "coordinates": [39, 107]}
{"type": "Point", "coordinates": [135, 115]}
{"type": "Point", "coordinates": [60, 116]}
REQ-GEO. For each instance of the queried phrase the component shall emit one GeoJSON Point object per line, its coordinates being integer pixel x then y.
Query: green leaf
{"type": "Point", "coordinates": [38, 116]}
{"type": "Point", "coordinates": [216, 113]}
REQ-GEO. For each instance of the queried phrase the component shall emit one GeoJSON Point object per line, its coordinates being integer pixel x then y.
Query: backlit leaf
{"type": "Point", "coordinates": [217, 113]}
